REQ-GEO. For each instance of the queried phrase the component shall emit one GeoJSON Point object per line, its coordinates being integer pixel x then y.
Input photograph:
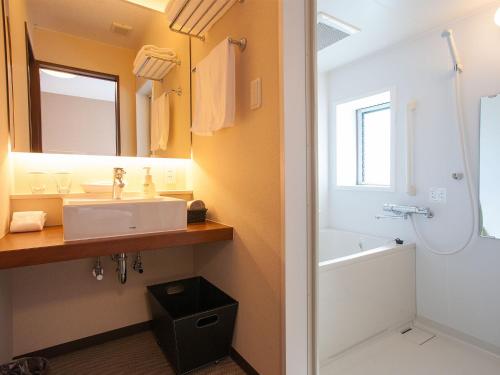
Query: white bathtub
{"type": "Point", "coordinates": [366, 286]}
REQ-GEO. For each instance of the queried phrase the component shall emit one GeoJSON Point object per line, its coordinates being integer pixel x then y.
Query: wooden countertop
{"type": "Point", "coordinates": [48, 246]}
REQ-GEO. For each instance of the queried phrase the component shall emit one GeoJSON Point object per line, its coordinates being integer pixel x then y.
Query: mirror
{"type": "Point", "coordinates": [98, 78]}
{"type": "Point", "coordinates": [489, 172]}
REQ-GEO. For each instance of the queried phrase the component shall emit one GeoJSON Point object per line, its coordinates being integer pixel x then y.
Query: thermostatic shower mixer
{"type": "Point", "coordinates": [396, 211]}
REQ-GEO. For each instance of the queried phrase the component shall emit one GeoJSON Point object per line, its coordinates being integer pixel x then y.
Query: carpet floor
{"type": "Point", "coordinates": [137, 354]}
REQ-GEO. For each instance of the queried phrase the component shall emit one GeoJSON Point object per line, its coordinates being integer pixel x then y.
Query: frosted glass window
{"type": "Point", "coordinates": [374, 145]}
{"type": "Point", "coordinates": [364, 142]}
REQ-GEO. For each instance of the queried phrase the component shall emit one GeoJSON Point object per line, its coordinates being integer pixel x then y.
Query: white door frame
{"type": "Point", "coordinates": [297, 82]}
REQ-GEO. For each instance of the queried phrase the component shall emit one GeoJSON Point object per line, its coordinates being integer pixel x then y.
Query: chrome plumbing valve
{"type": "Point", "coordinates": [98, 271]}
{"type": "Point", "coordinates": [137, 266]}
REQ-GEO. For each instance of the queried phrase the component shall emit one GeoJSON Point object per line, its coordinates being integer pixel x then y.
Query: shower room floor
{"type": "Point", "coordinates": [395, 354]}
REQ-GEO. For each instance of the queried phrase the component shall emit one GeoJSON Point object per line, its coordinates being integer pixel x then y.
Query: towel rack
{"type": "Point", "coordinates": [151, 76]}
{"type": "Point", "coordinates": [241, 43]}
{"type": "Point", "coordinates": [197, 29]}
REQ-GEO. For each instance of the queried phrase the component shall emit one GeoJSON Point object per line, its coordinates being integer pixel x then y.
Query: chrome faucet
{"type": "Point", "coordinates": [118, 183]}
{"type": "Point", "coordinates": [397, 211]}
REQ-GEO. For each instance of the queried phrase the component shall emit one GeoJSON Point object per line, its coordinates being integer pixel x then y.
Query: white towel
{"type": "Point", "coordinates": [154, 62]}
{"type": "Point", "coordinates": [205, 14]}
{"type": "Point", "coordinates": [160, 122]}
{"type": "Point", "coordinates": [154, 51]}
{"type": "Point", "coordinates": [195, 205]}
{"type": "Point", "coordinates": [27, 221]}
{"type": "Point", "coordinates": [215, 90]}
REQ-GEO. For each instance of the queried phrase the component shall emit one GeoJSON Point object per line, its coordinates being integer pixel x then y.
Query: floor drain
{"type": "Point", "coordinates": [416, 335]}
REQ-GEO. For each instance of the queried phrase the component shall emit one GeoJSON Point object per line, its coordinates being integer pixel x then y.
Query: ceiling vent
{"type": "Point", "coordinates": [120, 28]}
{"type": "Point", "coordinates": [331, 30]}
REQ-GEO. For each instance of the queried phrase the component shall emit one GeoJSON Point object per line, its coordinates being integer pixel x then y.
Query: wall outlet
{"type": "Point", "coordinates": [437, 195]}
{"type": "Point", "coordinates": [171, 178]}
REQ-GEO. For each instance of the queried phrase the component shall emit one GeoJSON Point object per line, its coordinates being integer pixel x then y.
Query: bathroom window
{"type": "Point", "coordinates": [364, 143]}
{"type": "Point", "coordinates": [73, 111]}
{"type": "Point", "coordinates": [373, 145]}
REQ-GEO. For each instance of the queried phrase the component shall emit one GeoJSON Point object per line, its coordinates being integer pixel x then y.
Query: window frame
{"type": "Point", "coordinates": [333, 149]}
{"type": "Point", "coordinates": [35, 103]}
{"type": "Point", "coordinates": [360, 125]}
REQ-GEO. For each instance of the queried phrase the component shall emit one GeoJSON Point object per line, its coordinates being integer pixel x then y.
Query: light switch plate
{"type": "Point", "coordinates": [255, 94]}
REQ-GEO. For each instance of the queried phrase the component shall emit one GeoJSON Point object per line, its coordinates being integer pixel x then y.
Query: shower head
{"type": "Point", "coordinates": [457, 64]}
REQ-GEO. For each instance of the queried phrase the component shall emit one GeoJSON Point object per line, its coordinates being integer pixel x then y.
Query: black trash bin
{"type": "Point", "coordinates": [26, 366]}
{"type": "Point", "coordinates": [193, 322]}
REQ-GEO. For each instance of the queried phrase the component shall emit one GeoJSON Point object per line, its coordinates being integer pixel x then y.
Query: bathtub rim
{"type": "Point", "coordinates": [364, 256]}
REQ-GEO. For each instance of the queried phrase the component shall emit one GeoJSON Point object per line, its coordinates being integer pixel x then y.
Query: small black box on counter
{"type": "Point", "coordinates": [197, 216]}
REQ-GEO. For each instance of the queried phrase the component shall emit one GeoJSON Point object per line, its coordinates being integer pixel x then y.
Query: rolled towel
{"type": "Point", "coordinates": [195, 205]}
{"type": "Point", "coordinates": [27, 221]}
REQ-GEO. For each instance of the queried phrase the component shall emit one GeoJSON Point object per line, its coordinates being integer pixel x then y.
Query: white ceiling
{"type": "Point", "coordinates": [92, 19]}
{"type": "Point", "coordinates": [387, 22]}
{"type": "Point", "coordinates": [158, 5]}
{"type": "Point", "coordinates": [83, 87]}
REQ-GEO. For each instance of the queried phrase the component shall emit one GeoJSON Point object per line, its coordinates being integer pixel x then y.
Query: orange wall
{"type": "Point", "coordinates": [60, 302]}
{"type": "Point", "coordinates": [237, 174]}
{"type": "Point", "coordinates": [5, 296]}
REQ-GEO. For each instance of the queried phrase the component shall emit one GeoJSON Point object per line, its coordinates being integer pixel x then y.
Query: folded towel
{"type": "Point", "coordinates": [215, 90]}
{"type": "Point", "coordinates": [153, 51]}
{"type": "Point", "coordinates": [205, 14]}
{"type": "Point", "coordinates": [27, 221]}
{"type": "Point", "coordinates": [154, 62]}
{"type": "Point", "coordinates": [160, 122]}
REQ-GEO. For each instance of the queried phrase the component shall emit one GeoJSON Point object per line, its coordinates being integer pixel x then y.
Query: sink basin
{"type": "Point", "coordinates": [85, 219]}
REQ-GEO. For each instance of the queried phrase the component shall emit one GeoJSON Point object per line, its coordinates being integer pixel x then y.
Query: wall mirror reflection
{"type": "Point", "coordinates": [99, 78]}
{"type": "Point", "coordinates": [74, 107]}
{"type": "Point", "coordinates": [489, 171]}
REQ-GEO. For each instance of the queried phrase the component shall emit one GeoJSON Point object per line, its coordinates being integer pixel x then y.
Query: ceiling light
{"type": "Point", "coordinates": [497, 17]}
{"type": "Point", "coordinates": [158, 5]}
{"type": "Point", "coordinates": [58, 74]}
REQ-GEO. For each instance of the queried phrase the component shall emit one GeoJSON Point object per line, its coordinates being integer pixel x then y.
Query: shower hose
{"type": "Point", "coordinates": [468, 177]}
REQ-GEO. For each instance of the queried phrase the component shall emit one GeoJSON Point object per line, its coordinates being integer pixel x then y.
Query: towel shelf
{"type": "Point", "coordinates": [147, 74]}
{"type": "Point", "coordinates": [189, 20]}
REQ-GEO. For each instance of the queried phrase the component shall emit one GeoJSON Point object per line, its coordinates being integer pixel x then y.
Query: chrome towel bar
{"type": "Point", "coordinates": [241, 43]}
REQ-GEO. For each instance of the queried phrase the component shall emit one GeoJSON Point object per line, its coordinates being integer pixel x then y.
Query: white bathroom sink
{"type": "Point", "coordinates": [85, 219]}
